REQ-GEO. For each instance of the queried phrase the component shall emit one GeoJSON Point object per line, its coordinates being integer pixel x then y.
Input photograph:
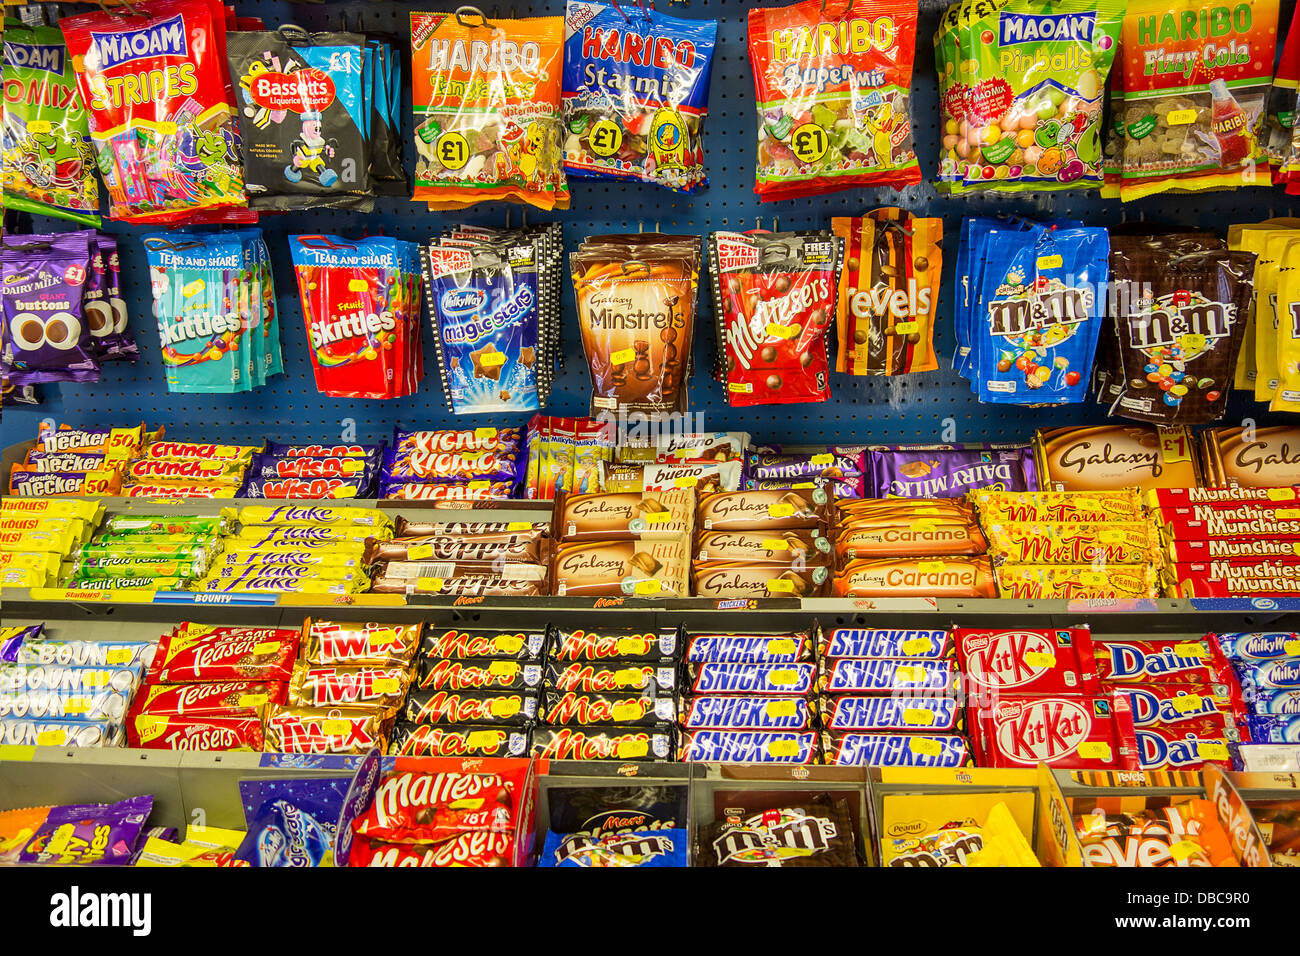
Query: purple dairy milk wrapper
{"type": "Point", "coordinates": [45, 336]}
{"type": "Point", "coordinates": [825, 464]}
{"type": "Point", "coordinates": [948, 473]}
{"type": "Point", "coordinates": [89, 834]}
{"type": "Point", "coordinates": [120, 343]}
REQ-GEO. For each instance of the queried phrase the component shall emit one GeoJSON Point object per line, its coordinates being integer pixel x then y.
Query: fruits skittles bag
{"type": "Point", "coordinates": [1020, 93]}
{"type": "Point", "coordinates": [49, 163]}
{"type": "Point", "coordinates": [486, 97]}
{"type": "Point", "coordinates": [832, 80]}
{"type": "Point", "coordinates": [1041, 310]}
{"type": "Point", "coordinates": [155, 85]}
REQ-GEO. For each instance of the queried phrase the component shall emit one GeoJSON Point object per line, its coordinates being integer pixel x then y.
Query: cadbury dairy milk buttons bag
{"type": "Point", "coordinates": [45, 336]}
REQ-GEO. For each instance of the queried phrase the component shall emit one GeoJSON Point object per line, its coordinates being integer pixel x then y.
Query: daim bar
{"type": "Point", "coordinates": [1186, 747]}
{"type": "Point", "coordinates": [1159, 660]}
{"type": "Point", "coordinates": [1170, 705]}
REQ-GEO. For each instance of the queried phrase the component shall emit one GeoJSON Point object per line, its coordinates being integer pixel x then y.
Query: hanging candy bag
{"type": "Point", "coordinates": [636, 93]}
{"type": "Point", "coordinates": [45, 336]}
{"type": "Point", "coordinates": [486, 96]}
{"type": "Point", "coordinates": [833, 80]}
{"type": "Point", "coordinates": [774, 300]}
{"type": "Point", "coordinates": [1287, 396]}
{"type": "Point", "coordinates": [49, 163]}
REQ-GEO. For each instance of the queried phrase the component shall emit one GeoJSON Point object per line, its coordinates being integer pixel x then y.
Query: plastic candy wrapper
{"type": "Point", "coordinates": [415, 807]}
{"type": "Point", "coordinates": [214, 299]}
{"type": "Point", "coordinates": [1038, 314]}
{"type": "Point", "coordinates": [305, 118]}
{"type": "Point", "coordinates": [1020, 93]}
{"type": "Point", "coordinates": [813, 834]}
{"type": "Point", "coordinates": [361, 306]}
{"type": "Point", "coordinates": [1178, 326]}
{"type": "Point", "coordinates": [1185, 834]}
{"type": "Point", "coordinates": [888, 293]}
{"type": "Point", "coordinates": [49, 162]}
{"type": "Point", "coordinates": [947, 473]}
{"type": "Point", "coordinates": [774, 301]}
{"type": "Point", "coordinates": [156, 89]}
{"type": "Point", "coordinates": [833, 82]}
{"type": "Point", "coordinates": [636, 94]}
{"type": "Point", "coordinates": [1196, 128]}
{"type": "Point", "coordinates": [484, 303]}
{"type": "Point", "coordinates": [16, 828]}
{"type": "Point", "coordinates": [104, 296]}
{"type": "Point", "coordinates": [46, 335]}
{"type": "Point", "coordinates": [88, 834]}
{"type": "Point", "coordinates": [291, 822]}
{"type": "Point", "coordinates": [657, 847]}
{"type": "Point", "coordinates": [636, 299]}
{"type": "Point", "coordinates": [565, 454]}
{"type": "Point", "coordinates": [1279, 122]}
{"type": "Point", "coordinates": [486, 97]}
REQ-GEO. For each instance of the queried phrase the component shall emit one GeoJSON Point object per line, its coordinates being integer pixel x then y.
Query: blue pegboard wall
{"type": "Point", "coordinates": [913, 408]}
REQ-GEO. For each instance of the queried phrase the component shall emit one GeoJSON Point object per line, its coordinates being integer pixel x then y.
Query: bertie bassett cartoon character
{"type": "Point", "coordinates": [310, 150]}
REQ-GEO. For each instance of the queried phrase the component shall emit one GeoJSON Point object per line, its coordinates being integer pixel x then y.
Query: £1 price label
{"type": "Point", "coordinates": [809, 143]}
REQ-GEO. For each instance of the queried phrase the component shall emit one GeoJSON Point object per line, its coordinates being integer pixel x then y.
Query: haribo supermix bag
{"type": "Point", "coordinates": [486, 96]}
{"type": "Point", "coordinates": [832, 82]}
{"type": "Point", "coordinates": [774, 297]}
{"type": "Point", "coordinates": [636, 93]}
{"type": "Point", "coordinates": [160, 117]}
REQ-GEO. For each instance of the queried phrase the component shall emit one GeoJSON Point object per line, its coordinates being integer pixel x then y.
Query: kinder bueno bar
{"type": "Point", "coordinates": [1273, 700]}
{"type": "Point", "coordinates": [458, 740]}
{"type": "Point", "coordinates": [705, 476]}
{"type": "Point", "coordinates": [1256, 646]}
{"type": "Point", "coordinates": [916, 577]}
{"type": "Point", "coordinates": [159, 731]}
{"type": "Point", "coordinates": [210, 452]}
{"type": "Point", "coordinates": [718, 446]}
{"type": "Point", "coordinates": [736, 712]}
{"type": "Point", "coordinates": [217, 698]}
{"type": "Point", "coordinates": [1187, 746]}
{"type": "Point", "coordinates": [1070, 506]}
{"type": "Point", "coordinates": [603, 743]}
{"type": "Point", "coordinates": [884, 642]}
{"type": "Point", "coordinates": [513, 708]}
{"type": "Point", "coordinates": [574, 707]}
{"type": "Point", "coordinates": [749, 746]}
{"type": "Point", "coordinates": [281, 450]}
{"type": "Point", "coordinates": [1077, 581]}
{"type": "Point", "coordinates": [483, 674]}
{"type": "Point", "coordinates": [881, 676]}
{"type": "Point", "coordinates": [650, 677]}
{"type": "Point", "coordinates": [1170, 705]}
{"type": "Point", "coordinates": [466, 440]}
{"type": "Point", "coordinates": [650, 568]}
{"type": "Point", "coordinates": [777, 510]}
{"type": "Point", "coordinates": [348, 686]}
{"type": "Point", "coordinates": [256, 655]}
{"type": "Point", "coordinates": [1274, 729]}
{"type": "Point", "coordinates": [102, 704]}
{"type": "Point", "coordinates": [894, 713]}
{"type": "Point", "coordinates": [783, 547]}
{"type": "Point", "coordinates": [1203, 550]}
{"type": "Point", "coordinates": [1159, 660]}
{"type": "Point", "coordinates": [1026, 660]}
{"type": "Point", "coordinates": [74, 653]}
{"type": "Point", "coordinates": [579, 645]}
{"type": "Point", "coordinates": [923, 537]}
{"type": "Point", "coordinates": [462, 644]}
{"type": "Point", "coordinates": [1049, 542]}
{"type": "Point", "coordinates": [629, 515]}
{"type": "Point", "coordinates": [320, 730]}
{"type": "Point", "coordinates": [895, 750]}
{"type": "Point", "coordinates": [61, 733]}
{"type": "Point", "coordinates": [728, 580]}
{"type": "Point", "coordinates": [749, 648]}
{"type": "Point", "coordinates": [767, 679]}
{"type": "Point", "coordinates": [1077, 733]}
{"type": "Point", "coordinates": [342, 642]}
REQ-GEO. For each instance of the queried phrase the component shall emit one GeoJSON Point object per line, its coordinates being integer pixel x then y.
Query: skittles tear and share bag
{"type": "Point", "coordinates": [1020, 92]}
{"type": "Point", "coordinates": [1196, 84]}
{"type": "Point", "coordinates": [486, 97]}
{"type": "Point", "coordinates": [49, 163]}
{"type": "Point", "coordinates": [832, 79]}
{"type": "Point", "coordinates": [155, 85]}
{"type": "Point", "coordinates": [636, 92]}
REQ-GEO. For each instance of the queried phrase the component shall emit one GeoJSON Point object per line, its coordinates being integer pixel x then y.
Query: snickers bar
{"type": "Point", "coordinates": [749, 746]}
{"type": "Point", "coordinates": [852, 676]}
{"type": "Point", "coordinates": [895, 750]}
{"type": "Point", "coordinates": [749, 648]}
{"type": "Point", "coordinates": [879, 713]}
{"type": "Point", "coordinates": [767, 679]}
{"type": "Point", "coordinates": [864, 642]}
{"type": "Point", "coordinates": [735, 712]}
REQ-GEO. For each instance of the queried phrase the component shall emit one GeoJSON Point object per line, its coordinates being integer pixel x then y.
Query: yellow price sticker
{"type": "Point", "coordinates": [503, 668]}
{"type": "Point", "coordinates": [76, 705]}
{"type": "Point", "coordinates": [930, 567]}
{"type": "Point", "coordinates": [504, 707]}
{"type": "Point", "coordinates": [1291, 648]}
{"type": "Point", "coordinates": [914, 646]}
{"type": "Point", "coordinates": [918, 717]}
{"type": "Point", "coordinates": [910, 674]}
{"type": "Point", "coordinates": [428, 585]}
{"type": "Point", "coordinates": [783, 677]}
{"type": "Point", "coordinates": [809, 143]}
{"type": "Point", "coordinates": [627, 710]}
{"type": "Point", "coordinates": [1094, 750]}
{"type": "Point", "coordinates": [194, 288]}
{"type": "Point", "coordinates": [358, 285]}
{"type": "Point", "coordinates": [1184, 849]}
{"type": "Point", "coordinates": [493, 359]}
{"type": "Point", "coordinates": [783, 748]}
{"type": "Point", "coordinates": [1040, 659]}
{"type": "Point", "coordinates": [776, 544]}
{"type": "Point", "coordinates": [780, 510]}
{"type": "Point", "coordinates": [1280, 494]}
{"type": "Point", "coordinates": [822, 460]}
{"type": "Point", "coordinates": [659, 517]}
{"type": "Point", "coordinates": [452, 150]}
{"type": "Point", "coordinates": [383, 638]}
{"type": "Point", "coordinates": [780, 708]}
{"type": "Point", "coordinates": [776, 330]}
{"type": "Point", "coordinates": [251, 700]}
{"type": "Point", "coordinates": [1287, 513]}
{"type": "Point", "coordinates": [686, 481]}
{"type": "Point", "coordinates": [1093, 579]}
{"type": "Point", "coordinates": [1180, 117]}
{"type": "Point", "coordinates": [486, 432]}
{"type": "Point", "coordinates": [1186, 703]}
{"type": "Point", "coordinates": [417, 551]}
{"type": "Point", "coordinates": [1189, 650]}
{"type": "Point", "coordinates": [387, 685]}
{"type": "Point", "coordinates": [266, 647]}
{"type": "Point", "coordinates": [605, 138]}
{"type": "Point", "coordinates": [518, 525]}
{"type": "Point", "coordinates": [1049, 262]}
{"type": "Point", "coordinates": [479, 484]}
{"type": "Point", "coordinates": [335, 727]}
{"type": "Point", "coordinates": [1174, 447]}
{"type": "Point", "coordinates": [629, 677]}
{"type": "Point", "coordinates": [626, 646]}
{"type": "Point", "coordinates": [907, 328]}
{"type": "Point", "coordinates": [782, 646]}
{"type": "Point", "coordinates": [1110, 535]}
{"type": "Point", "coordinates": [926, 746]}
{"type": "Point", "coordinates": [1212, 750]}
{"type": "Point", "coordinates": [483, 739]}
{"type": "Point", "coordinates": [631, 749]}
{"type": "Point", "coordinates": [118, 655]}
{"type": "Point", "coordinates": [49, 738]}
{"type": "Point", "coordinates": [780, 586]}
{"type": "Point", "coordinates": [622, 356]}
{"type": "Point", "coordinates": [650, 586]}
{"type": "Point", "coordinates": [508, 643]}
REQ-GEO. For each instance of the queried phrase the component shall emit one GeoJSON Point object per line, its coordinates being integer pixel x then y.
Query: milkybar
{"type": "Point", "coordinates": [624, 516]}
{"type": "Point", "coordinates": [970, 577]}
{"type": "Point", "coordinates": [648, 568]}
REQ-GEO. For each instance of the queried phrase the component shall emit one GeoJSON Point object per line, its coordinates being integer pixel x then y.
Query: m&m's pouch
{"type": "Point", "coordinates": [486, 97]}
{"type": "Point", "coordinates": [774, 301]}
{"type": "Point", "coordinates": [1040, 312]}
{"type": "Point", "coordinates": [832, 80]}
{"type": "Point", "coordinates": [46, 336]}
{"type": "Point", "coordinates": [155, 86]}
{"type": "Point", "coordinates": [49, 163]}
{"type": "Point", "coordinates": [483, 302]}
{"type": "Point", "coordinates": [636, 93]}
{"type": "Point", "coordinates": [304, 119]}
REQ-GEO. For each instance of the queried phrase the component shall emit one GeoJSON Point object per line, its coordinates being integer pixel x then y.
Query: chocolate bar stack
{"type": "Point", "coordinates": [1229, 542]}
{"type": "Point", "coordinates": [1266, 668]}
{"type": "Point", "coordinates": [67, 693]}
{"type": "Point", "coordinates": [149, 552]}
{"type": "Point", "coordinates": [706, 462]}
{"type": "Point", "coordinates": [749, 698]}
{"type": "Point", "coordinates": [469, 464]}
{"type": "Point", "coordinates": [1033, 696]}
{"type": "Point", "coordinates": [356, 672]}
{"type": "Point", "coordinates": [838, 470]}
{"type": "Point", "coordinates": [1068, 544]}
{"type": "Point", "coordinates": [621, 545]}
{"type": "Point", "coordinates": [763, 544]}
{"type": "Point", "coordinates": [1250, 457]}
{"type": "Point", "coordinates": [1183, 702]}
{"type": "Point", "coordinates": [887, 698]}
{"type": "Point", "coordinates": [477, 693]}
{"type": "Point", "coordinates": [209, 688]}
{"type": "Point", "coordinates": [37, 535]}
{"type": "Point", "coordinates": [341, 470]}
{"type": "Point", "coordinates": [462, 558]}
{"type": "Point", "coordinates": [910, 547]}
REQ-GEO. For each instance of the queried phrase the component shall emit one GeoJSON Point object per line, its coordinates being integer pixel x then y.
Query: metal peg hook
{"type": "Point", "coordinates": [462, 12]}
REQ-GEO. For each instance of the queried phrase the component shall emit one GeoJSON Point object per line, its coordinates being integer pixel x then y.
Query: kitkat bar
{"type": "Point", "coordinates": [1027, 660]}
{"type": "Point", "coordinates": [1165, 660]}
{"type": "Point", "coordinates": [157, 731]}
{"type": "Point", "coordinates": [958, 577]}
{"type": "Point", "coordinates": [1187, 746]}
{"type": "Point", "coordinates": [1067, 732]}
